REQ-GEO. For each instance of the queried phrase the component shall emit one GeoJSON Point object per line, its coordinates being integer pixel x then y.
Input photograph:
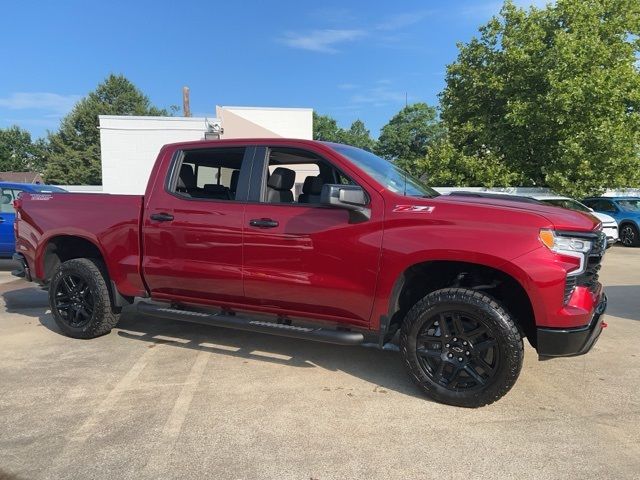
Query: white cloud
{"type": "Point", "coordinates": [401, 20]}
{"type": "Point", "coordinates": [324, 41]}
{"type": "Point", "coordinates": [378, 96]}
{"type": "Point", "coordinates": [53, 102]}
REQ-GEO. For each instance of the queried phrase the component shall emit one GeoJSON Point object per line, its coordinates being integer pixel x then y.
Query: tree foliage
{"type": "Point", "coordinates": [407, 136]}
{"type": "Point", "coordinates": [553, 93]}
{"type": "Point", "coordinates": [325, 128]}
{"type": "Point", "coordinates": [74, 156]}
{"type": "Point", "coordinates": [18, 153]}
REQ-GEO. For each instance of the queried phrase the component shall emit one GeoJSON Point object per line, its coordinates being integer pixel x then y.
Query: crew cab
{"type": "Point", "coordinates": [326, 242]}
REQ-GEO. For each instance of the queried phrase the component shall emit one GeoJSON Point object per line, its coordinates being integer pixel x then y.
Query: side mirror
{"type": "Point", "coordinates": [348, 197]}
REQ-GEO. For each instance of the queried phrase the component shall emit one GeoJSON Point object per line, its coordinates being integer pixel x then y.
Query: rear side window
{"type": "Point", "coordinates": [208, 174]}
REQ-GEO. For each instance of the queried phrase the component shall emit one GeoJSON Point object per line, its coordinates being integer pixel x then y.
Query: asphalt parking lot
{"type": "Point", "coordinates": [157, 399]}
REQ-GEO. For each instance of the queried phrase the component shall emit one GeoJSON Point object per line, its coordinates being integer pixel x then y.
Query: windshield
{"type": "Point", "coordinates": [386, 173]}
{"type": "Point", "coordinates": [567, 203]}
{"type": "Point", "coordinates": [631, 205]}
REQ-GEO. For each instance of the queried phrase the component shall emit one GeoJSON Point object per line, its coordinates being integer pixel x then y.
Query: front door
{"type": "Point", "coordinates": [192, 229]}
{"type": "Point", "coordinates": [305, 258]}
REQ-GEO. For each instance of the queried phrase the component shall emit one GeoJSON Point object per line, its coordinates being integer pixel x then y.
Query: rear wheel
{"type": "Point", "coordinates": [461, 347]}
{"type": "Point", "coordinates": [80, 300]}
{"type": "Point", "coordinates": [629, 235]}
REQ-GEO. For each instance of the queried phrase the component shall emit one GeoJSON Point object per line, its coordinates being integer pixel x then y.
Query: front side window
{"type": "Point", "coordinates": [631, 205]}
{"type": "Point", "coordinates": [297, 176]}
{"type": "Point", "coordinates": [208, 174]}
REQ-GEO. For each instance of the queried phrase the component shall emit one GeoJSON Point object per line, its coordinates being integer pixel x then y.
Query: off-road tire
{"type": "Point", "coordinates": [507, 348]}
{"type": "Point", "coordinates": [104, 315]}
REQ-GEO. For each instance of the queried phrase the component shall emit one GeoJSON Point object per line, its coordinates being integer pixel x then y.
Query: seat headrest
{"type": "Point", "coordinates": [233, 184]}
{"type": "Point", "coordinates": [282, 179]}
{"type": "Point", "coordinates": [312, 185]}
{"type": "Point", "coordinates": [186, 179]}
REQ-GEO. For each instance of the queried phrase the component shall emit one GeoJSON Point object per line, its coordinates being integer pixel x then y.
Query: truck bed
{"type": "Point", "coordinates": [111, 222]}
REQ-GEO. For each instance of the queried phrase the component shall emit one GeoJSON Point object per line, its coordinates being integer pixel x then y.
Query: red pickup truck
{"type": "Point", "coordinates": [324, 242]}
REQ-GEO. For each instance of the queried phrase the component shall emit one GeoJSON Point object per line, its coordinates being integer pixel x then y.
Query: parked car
{"type": "Point", "coordinates": [364, 254]}
{"type": "Point", "coordinates": [609, 224]}
{"type": "Point", "coordinates": [625, 210]}
{"type": "Point", "coordinates": [8, 193]}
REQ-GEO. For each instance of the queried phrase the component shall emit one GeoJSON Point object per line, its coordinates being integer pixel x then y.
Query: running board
{"type": "Point", "coordinates": [338, 337]}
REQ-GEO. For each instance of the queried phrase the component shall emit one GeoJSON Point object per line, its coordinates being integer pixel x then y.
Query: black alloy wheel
{"type": "Point", "coordinates": [456, 350]}
{"type": "Point", "coordinates": [73, 299]}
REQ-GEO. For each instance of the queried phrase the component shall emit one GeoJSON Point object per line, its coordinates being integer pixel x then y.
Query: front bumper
{"type": "Point", "coordinates": [568, 342]}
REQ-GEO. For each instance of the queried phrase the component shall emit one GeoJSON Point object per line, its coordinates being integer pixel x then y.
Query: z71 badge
{"type": "Point", "coordinates": [413, 208]}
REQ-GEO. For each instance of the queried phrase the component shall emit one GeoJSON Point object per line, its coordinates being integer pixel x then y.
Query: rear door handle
{"type": "Point", "coordinates": [161, 217]}
{"type": "Point", "coordinates": [263, 223]}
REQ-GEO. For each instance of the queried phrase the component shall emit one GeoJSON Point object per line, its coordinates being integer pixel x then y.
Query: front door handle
{"type": "Point", "coordinates": [263, 223]}
{"type": "Point", "coordinates": [161, 217]}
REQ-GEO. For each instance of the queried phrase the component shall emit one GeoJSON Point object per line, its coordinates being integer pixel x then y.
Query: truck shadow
{"type": "Point", "coordinates": [623, 301]}
{"type": "Point", "coordinates": [381, 368]}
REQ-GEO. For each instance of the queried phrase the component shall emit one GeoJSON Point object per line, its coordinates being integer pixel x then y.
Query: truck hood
{"type": "Point", "coordinates": [559, 218]}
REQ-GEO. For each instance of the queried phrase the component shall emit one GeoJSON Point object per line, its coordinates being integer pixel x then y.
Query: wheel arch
{"type": "Point", "coordinates": [422, 278]}
{"type": "Point", "coordinates": [60, 248]}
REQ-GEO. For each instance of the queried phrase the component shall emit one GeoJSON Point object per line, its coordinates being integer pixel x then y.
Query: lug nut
{"type": "Point", "coordinates": [455, 339]}
{"type": "Point", "coordinates": [450, 355]}
{"type": "Point", "coordinates": [467, 352]}
{"type": "Point", "coordinates": [447, 345]}
{"type": "Point", "coordinates": [464, 343]}
{"type": "Point", "coordinates": [459, 359]}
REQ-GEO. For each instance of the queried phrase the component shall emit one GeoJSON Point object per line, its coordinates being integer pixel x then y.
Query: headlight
{"type": "Point", "coordinates": [567, 245]}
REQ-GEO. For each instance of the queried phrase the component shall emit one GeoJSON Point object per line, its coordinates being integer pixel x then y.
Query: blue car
{"type": "Point", "coordinates": [626, 211]}
{"type": "Point", "coordinates": [8, 193]}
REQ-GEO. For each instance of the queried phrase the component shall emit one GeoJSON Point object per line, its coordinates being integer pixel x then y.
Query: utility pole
{"type": "Point", "coordinates": [186, 109]}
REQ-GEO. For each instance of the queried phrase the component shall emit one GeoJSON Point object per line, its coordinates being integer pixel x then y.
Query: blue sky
{"type": "Point", "coordinates": [346, 59]}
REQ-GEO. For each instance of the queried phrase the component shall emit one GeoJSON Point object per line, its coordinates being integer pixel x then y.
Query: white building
{"type": "Point", "coordinates": [129, 145]}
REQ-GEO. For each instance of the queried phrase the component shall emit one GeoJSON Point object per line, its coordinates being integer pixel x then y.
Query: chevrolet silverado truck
{"type": "Point", "coordinates": [325, 242]}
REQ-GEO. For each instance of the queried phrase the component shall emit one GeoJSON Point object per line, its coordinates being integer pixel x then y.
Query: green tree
{"type": "Point", "coordinates": [326, 128]}
{"type": "Point", "coordinates": [553, 93]}
{"type": "Point", "coordinates": [75, 149]}
{"type": "Point", "coordinates": [18, 153]}
{"type": "Point", "coordinates": [358, 136]}
{"type": "Point", "coordinates": [408, 134]}
{"type": "Point", "coordinates": [446, 166]}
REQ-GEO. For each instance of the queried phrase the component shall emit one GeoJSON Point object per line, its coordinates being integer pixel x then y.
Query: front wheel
{"type": "Point", "coordinates": [629, 235]}
{"type": "Point", "coordinates": [461, 347]}
{"type": "Point", "coordinates": [80, 300]}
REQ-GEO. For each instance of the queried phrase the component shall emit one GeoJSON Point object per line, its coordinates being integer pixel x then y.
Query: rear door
{"type": "Point", "coordinates": [7, 218]}
{"type": "Point", "coordinates": [192, 226]}
{"type": "Point", "coordinates": [303, 258]}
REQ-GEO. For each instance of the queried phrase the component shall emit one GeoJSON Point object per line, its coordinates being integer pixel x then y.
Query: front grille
{"type": "Point", "coordinates": [588, 278]}
{"type": "Point", "coordinates": [569, 286]}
